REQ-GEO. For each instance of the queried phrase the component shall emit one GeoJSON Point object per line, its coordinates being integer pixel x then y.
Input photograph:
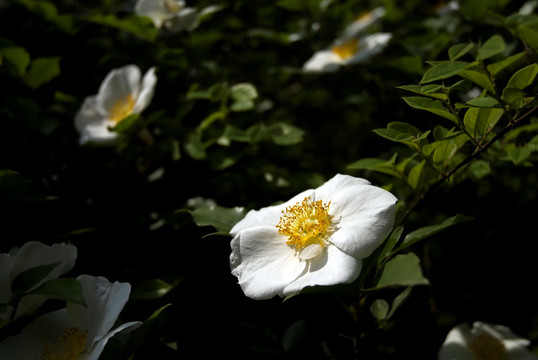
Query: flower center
{"type": "Point", "coordinates": [487, 347]}
{"type": "Point", "coordinates": [305, 223]}
{"type": "Point", "coordinates": [364, 16]}
{"type": "Point", "coordinates": [122, 108]}
{"type": "Point", "coordinates": [68, 345]}
{"type": "Point", "coordinates": [346, 49]}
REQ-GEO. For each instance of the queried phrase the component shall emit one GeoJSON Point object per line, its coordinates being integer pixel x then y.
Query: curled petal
{"type": "Point", "coordinates": [118, 84]}
{"type": "Point", "coordinates": [147, 89]}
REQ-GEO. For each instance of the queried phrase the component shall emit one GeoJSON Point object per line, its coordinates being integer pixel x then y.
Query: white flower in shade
{"type": "Point", "coordinates": [31, 255]}
{"type": "Point", "coordinates": [484, 342]}
{"type": "Point", "coordinates": [171, 13]}
{"type": "Point", "coordinates": [121, 94]}
{"type": "Point", "coordinates": [363, 22]}
{"type": "Point", "coordinates": [319, 237]}
{"type": "Point", "coordinates": [75, 332]}
{"type": "Point", "coordinates": [444, 8]}
{"type": "Point", "coordinates": [347, 52]}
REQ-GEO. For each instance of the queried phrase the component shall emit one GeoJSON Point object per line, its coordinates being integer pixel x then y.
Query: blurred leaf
{"type": "Point", "coordinates": [284, 134]}
{"type": "Point", "coordinates": [528, 32]}
{"type": "Point", "coordinates": [402, 270]}
{"type": "Point", "coordinates": [499, 66]}
{"type": "Point", "coordinates": [42, 70]}
{"type": "Point", "coordinates": [458, 50]}
{"type": "Point", "coordinates": [519, 154]}
{"type": "Point", "coordinates": [243, 91]}
{"type": "Point", "coordinates": [194, 146]}
{"type": "Point", "coordinates": [18, 57]}
{"type": "Point", "coordinates": [443, 70]}
{"type": "Point", "coordinates": [425, 232]}
{"type": "Point", "coordinates": [293, 5]}
{"type": "Point", "coordinates": [479, 169]}
{"type": "Point", "coordinates": [29, 278]}
{"type": "Point", "coordinates": [523, 77]}
{"type": "Point", "coordinates": [141, 335]}
{"type": "Point", "coordinates": [420, 90]}
{"type": "Point", "coordinates": [434, 106]}
{"type": "Point", "coordinates": [126, 124]}
{"type": "Point", "coordinates": [68, 289]}
{"type": "Point", "coordinates": [136, 25]}
{"type": "Point", "coordinates": [242, 105]}
{"type": "Point", "coordinates": [152, 289]}
{"type": "Point", "coordinates": [493, 46]}
{"type": "Point", "coordinates": [379, 309]}
{"type": "Point", "coordinates": [221, 218]}
{"type": "Point", "coordinates": [293, 335]}
{"type": "Point", "coordinates": [473, 9]}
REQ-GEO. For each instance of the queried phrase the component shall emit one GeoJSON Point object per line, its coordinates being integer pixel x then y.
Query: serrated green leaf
{"type": "Point", "coordinates": [402, 270]}
{"type": "Point", "coordinates": [425, 232]}
{"type": "Point", "coordinates": [42, 70]}
{"type": "Point", "coordinates": [458, 50]}
{"type": "Point", "coordinates": [443, 70]}
{"type": "Point", "coordinates": [68, 289]}
{"type": "Point", "coordinates": [379, 309]}
{"type": "Point", "coordinates": [434, 106]}
{"type": "Point", "coordinates": [493, 46]}
{"type": "Point", "coordinates": [221, 218]}
{"type": "Point", "coordinates": [27, 279]}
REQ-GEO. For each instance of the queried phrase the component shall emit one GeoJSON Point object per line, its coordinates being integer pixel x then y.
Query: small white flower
{"type": "Point", "coordinates": [30, 255]}
{"type": "Point", "coordinates": [444, 8]}
{"type": "Point", "coordinates": [319, 237]}
{"type": "Point", "coordinates": [347, 52]}
{"type": "Point", "coordinates": [171, 13]}
{"type": "Point", "coordinates": [484, 342]}
{"type": "Point", "coordinates": [120, 95]}
{"type": "Point", "coordinates": [363, 22]}
{"type": "Point", "coordinates": [75, 332]}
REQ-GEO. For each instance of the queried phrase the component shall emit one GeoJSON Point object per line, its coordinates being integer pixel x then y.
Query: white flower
{"type": "Point", "coordinates": [347, 52]}
{"type": "Point", "coordinates": [171, 13]}
{"type": "Point", "coordinates": [30, 255]}
{"type": "Point", "coordinates": [319, 237]}
{"type": "Point", "coordinates": [484, 342]}
{"type": "Point", "coordinates": [75, 332]}
{"type": "Point", "coordinates": [120, 95]}
{"type": "Point", "coordinates": [364, 21]}
{"type": "Point", "coordinates": [443, 8]}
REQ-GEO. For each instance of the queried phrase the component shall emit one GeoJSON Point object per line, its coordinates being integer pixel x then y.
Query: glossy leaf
{"type": "Point", "coordinates": [476, 75]}
{"type": "Point", "coordinates": [459, 50]}
{"type": "Point", "coordinates": [493, 46]}
{"type": "Point", "coordinates": [417, 89]}
{"type": "Point", "coordinates": [221, 218]}
{"type": "Point", "coordinates": [434, 106]}
{"type": "Point", "coordinates": [379, 309]}
{"type": "Point", "coordinates": [480, 121]}
{"type": "Point", "coordinates": [402, 270]}
{"type": "Point", "coordinates": [443, 70]}
{"type": "Point", "coordinates": [501, 65]}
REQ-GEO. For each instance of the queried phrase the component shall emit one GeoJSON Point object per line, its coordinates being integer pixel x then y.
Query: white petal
{"type": "Point", "coordinates": [118, 84]}
{"type": "Point", "coordinates": [99, 346]}
{"type": "Point", "coordinates": [337, 184]}
{"type": "Point", "coordinates": [330, 268]}
{"type": "Point", "coordinates": [186, 19]}
{"type": "Point", "coordinates": [362, 23]}
{"type": "Point", "coordinates": [370, 45]}
{"type": "Point", "coordinates": [93, 125]}
{"type": "Point", "coordinates": [267, 216]}
{"type": "Point", "coordinates": [104, 302]}
{"type": "Point", "coordinates": [263, 263]}
{"type": "Point", "coordinates": [515, 345]}
{"type": "Point", "coordinates": [323, 61]}
{"type": "Point", "coordinates": [364, 215]}
{"type": "Point", "coordinates": [156, 10]}
{"type": "Point", "coordinates": [146, 91]}
{"type": "Point", "coordinates": [456, 343]}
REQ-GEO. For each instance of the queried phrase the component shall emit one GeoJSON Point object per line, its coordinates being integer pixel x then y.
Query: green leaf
{"type": "Point", "coordinates": [293, 335]}
{"type": "Point", "coordinates": [485, 102]}
{"type": "Point", "coordinates": [425, 232]}
{"type": "Point", "coordinates": [499, 66]}
{"type": "Point", "coordinates": [493, 46]}
{"type": "Point", "coordinates": [476, 75]}
{"type": "Point", "coordinates": [42, 70]}
{"type": "Point", "coordinates": [403, 133]}
{"type": "Point", "coordinates": [153, 289]}
{"type": "Point", "coordinates": [383, 166]}
{"type": "Point", "coordinates": [221, 218]}
{"type": "Point", "coordinates": [417, 89]}
{"type": "Point", "coordinates": [242, 105]}
{"type": "Point", "coordinates": [458, 50]}
{"type": "Point", "coordinates": [480, 121]}
{"type": "Point", "coordinates": [136, 25]}
{"type": "Point", "coordinates": [528, 32]}
{"type": "Point", "coordinates": [434, 106]}
{"type": "Point", "coordinates": [126, 124]}
{"type": "Point", "coordinates": [379, 309]}
{"type": "Point", "coordinates": [284, 134]}
{"type": "Point", "coordinates": [519, 154]}
{"type": "Point", "coordinates": [523, 77]}
{"type": "Point", "coordinates": [443, 70]}
{"type": "Point", "coordinates": [27, 279]}
{"type": "Point", "coordinates": [473, 9]}
{"type": "Point", "coordinates": [420, 175]}
{"type": "Point", "coordinates": [68, 289]}
{"type": "Point", "coordinates": [389, 244]}
{"type": "Point", "coordinates": [143, 333]}
{"type": "Point", "coordinates": [243, 91]}
{"type": "Point", "coordinates": [194, 146]}
{"type": "Point", "coordinates": [18, 57]}
{"type": "Point", "coordinates": [398, 301]}
{"type": "Point", "coordinates": [402, 270]}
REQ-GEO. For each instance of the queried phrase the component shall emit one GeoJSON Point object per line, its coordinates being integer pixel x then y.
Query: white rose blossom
{"type": "Point", "coordinates": [75, 332]}
{"type": "Point", "coordinates": [121, 94]}
{"type": "Point", "coordinates": [319, 237]}
{"type": "Point", "coordinates": [172, 14]}
{"type": "Point", "coordinates": [31, 255]}
{"type": "Point", "coordinates": [347, 52]}
{"type": "Point", "coordinates": [484, 342]}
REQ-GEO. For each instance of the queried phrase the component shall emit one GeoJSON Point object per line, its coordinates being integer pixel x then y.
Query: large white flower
{"type": "Point", "coordinates": [346, 52]}
{"type": "Point", "coordinates": [31, 255]}
{"type": "Point", "coordinates": [319, 237]}
{"type": "Point", "coordinates": [121, 94]}
{"type": "Point", "coordinates": [484, 342]}
{"type": "Point", "coordinates": [75, 332]}
{"type": "Point", "coordinates": [171, 13]}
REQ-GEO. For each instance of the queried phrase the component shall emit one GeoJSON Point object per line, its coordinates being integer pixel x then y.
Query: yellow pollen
{"type": "Point", "coordinates": [305, 223]}
{"type": "Point", "coordinates": [364, 16]}
{"type": "Point", "coordinates": [68, 345]}
{"type": "Point", "coordinates": [487, 347]}
{"type": "Point", "coordinates": [122, 108]}
{"type": "Point", "coordinates": [346, 49]}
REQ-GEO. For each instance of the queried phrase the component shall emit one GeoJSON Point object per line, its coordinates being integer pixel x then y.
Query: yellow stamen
{"type": "Point", "coordinates": [306, 223]}
{"type": "Point", "coordinates": [68, 345]}
{"type": "Point", "coordinates": [364, 16]}
{"type": "Point", "coordinates": [487, 347]}
{"type": "Point", "coordinates": [122, 108]}
{"type": "Point", "coordinates": [346, 49]}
